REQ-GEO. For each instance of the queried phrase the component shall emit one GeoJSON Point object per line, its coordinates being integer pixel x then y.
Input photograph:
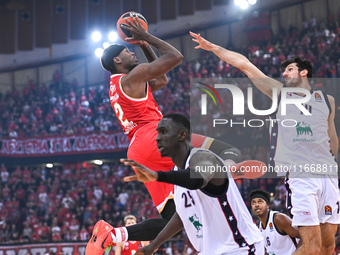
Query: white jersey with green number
{"type": "Point", "coordinates": [216, 225]}
{"type": "Point", "coordinates": [276, 243]}
{"type": "Point", "coordinates": [301, 142]}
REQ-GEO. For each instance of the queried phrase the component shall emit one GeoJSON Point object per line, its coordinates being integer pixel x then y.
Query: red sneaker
{"type": "Point", "coordinates": [101, 239]}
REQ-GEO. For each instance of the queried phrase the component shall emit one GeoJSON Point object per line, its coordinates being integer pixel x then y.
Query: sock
{"type": "Point", "coordinates": [119, 235]}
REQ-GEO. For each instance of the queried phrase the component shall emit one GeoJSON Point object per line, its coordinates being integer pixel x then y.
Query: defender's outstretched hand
{"type": "Point", "coordinates": [202, 43]}
{"type": "Point", "coordinates": [143, 174]}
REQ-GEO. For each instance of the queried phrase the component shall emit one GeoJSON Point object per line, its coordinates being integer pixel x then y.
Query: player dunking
{"type": "Point", "coordinates": [209, 205]}
{"type": "Point", "coordinates": [129, 247]}
{"type": "Point", "coordinates": [131, 88]}
{"type": "Point", "coordinates": [313, 197]}
{"type": "Point", "coordinates": [276, 228]}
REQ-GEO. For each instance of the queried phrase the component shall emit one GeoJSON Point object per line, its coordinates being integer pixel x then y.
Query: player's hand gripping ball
{"type": "Point", "coordinates": [122, 24]}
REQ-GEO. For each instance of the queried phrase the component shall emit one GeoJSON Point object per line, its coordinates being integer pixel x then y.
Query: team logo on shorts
{"type": "Point", "coordinates": [271, 228]}
{"type": "Point", "coordinates": [328, 210]}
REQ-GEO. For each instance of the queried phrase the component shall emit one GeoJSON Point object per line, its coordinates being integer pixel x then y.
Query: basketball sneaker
{"type": "Point", "coordinates": [248, 169]}
{"type": "Point", "coordinates": [101, 239]}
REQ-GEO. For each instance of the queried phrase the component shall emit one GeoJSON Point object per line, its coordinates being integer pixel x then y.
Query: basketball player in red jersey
{"type": "Point", "coordinates": [131, 88]}
{"type": "Point", "coordinates": [129, 247]}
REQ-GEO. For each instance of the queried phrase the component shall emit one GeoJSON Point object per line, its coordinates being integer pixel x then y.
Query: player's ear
{"type": "Point", "coordinates": [117, 60]}
{"type": "Point", "coordinates": [182, 135]}
{"type": "Point", "coordinates": [304, 73]}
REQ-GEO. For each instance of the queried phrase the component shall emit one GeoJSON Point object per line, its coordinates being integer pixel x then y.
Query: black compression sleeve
{"type": "Point", "coordinates": [181, 178]}
{"type": "Point", "coordinates": [147, 230]}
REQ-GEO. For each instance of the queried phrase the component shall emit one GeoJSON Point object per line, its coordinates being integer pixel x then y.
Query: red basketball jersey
{"type": "Point", "coordinates": [132, 113]}
{"type": "Point", "coordinates": [131, 247]}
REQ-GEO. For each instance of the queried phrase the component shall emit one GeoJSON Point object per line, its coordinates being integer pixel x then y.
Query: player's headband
{"type": "Point", "coordinates": [109, 53]}
{"type": "Point", "coordinates": [260, 196]}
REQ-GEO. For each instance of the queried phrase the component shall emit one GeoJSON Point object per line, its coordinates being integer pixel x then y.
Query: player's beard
{"type": "Point", "coordinates": [294, 82]}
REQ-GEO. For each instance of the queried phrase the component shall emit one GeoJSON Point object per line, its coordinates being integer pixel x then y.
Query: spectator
{"type": "Point", "coordinates": [26, 233]}
{"type": "Point", "coordinates": [56, 231]}
{"type": "Point", "coordinates": [14, 236]}
{"type": "Point", "coordinates": [84, 234]}
{"type": "Point", "coordinates": [97, 192]}
{"type": "Point", "coordinates": [122, 198]}
{"type": "Point", "coordinates": [67, 201]}
{"type": "Point", "coordinates": [4, 174]}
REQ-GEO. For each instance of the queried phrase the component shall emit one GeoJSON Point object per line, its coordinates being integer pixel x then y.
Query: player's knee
{"type": "Point", "coordinates": [233, 154]}
{"type": "Point", "coordinates": [311, 246]}
{"type": "Point", "coordinates": [225, 151]}
{"type": "Point", "coordinates": [328, 249]}
{"type": "Point", "coordinates": [313, 250]}
{"type": "Point", "coordinates": [310, 250]}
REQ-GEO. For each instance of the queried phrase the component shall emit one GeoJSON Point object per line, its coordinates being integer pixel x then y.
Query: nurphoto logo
{"type": "Point", "coordinates": [238, 100]}
{"type": "Point", "coordinates": [216, 92]}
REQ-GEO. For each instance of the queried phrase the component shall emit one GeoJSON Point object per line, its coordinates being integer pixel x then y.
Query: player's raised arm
{"type": "Point", "coordinates": [151, 56]}
{"type": "Point", "coordinates": [264, 83]}
{"type": "Point", "coordinates": [169, 55]}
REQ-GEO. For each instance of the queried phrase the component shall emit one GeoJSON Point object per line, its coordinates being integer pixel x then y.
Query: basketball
{"type": "Point", "coordinates": [121, 24]}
